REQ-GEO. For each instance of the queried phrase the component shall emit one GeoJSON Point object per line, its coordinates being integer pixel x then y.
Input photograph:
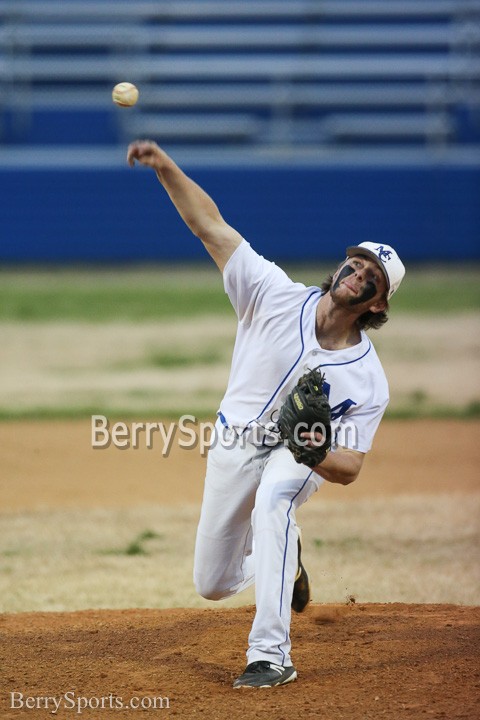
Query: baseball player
{"type": "Point", "coordinates": [247, 531]}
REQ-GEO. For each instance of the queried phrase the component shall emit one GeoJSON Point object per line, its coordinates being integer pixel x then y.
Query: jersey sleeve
{"type": "Point", "coordinates": [356, 430]}
{"type": "Point", "coordinates": [248, 279]}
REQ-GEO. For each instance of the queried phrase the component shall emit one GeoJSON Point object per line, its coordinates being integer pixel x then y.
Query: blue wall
{"type": "Point", "coordinates": [427, 213]}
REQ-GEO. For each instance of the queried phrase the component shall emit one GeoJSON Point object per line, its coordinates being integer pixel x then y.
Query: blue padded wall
{"type": "Point", "coordinates": [306, 214]}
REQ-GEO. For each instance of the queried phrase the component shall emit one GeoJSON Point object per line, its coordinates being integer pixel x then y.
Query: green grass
{"type": "Point", "coordinates": [442, 293]}
{"type": "Point", "coordinates": [171, 292]}
{"type": "Point", "coordinates": [163, 292]}
{"type": "Point", "coordinates": [470, 411]}
{"type": "Point", "coordinates": [136, 546]}
{"type": "Point", "coordinates": [174, 359]}
{"type": "Point", "coordinates": [100, 304]}
{"type": "Point", "coordinates": [114, 414]}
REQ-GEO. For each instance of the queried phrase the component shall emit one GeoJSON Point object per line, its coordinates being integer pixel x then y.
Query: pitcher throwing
{"type": "Point", "coordinates": [256, 479]}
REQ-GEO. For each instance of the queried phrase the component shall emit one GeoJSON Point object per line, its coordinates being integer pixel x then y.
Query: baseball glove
{"type": "Point", "coordinates": [305, 409]}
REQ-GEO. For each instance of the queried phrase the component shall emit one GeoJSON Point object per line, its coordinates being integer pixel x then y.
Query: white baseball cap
{"type": "Point", "coordinates": [386, 257]}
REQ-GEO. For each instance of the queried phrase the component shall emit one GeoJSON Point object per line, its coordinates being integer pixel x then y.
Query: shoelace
{"type": "Point", "coordinates": [260, 666]}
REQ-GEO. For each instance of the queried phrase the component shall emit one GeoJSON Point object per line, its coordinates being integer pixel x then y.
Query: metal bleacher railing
{"type": "Point", "coordinates": [266, 73]}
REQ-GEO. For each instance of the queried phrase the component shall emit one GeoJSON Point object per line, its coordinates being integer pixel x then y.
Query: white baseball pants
{"type": "Point", "coordinates": [247, 533]}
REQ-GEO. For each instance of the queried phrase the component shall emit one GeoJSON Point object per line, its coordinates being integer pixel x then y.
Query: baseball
{"type": "Point", "coordinates": [125, 94]}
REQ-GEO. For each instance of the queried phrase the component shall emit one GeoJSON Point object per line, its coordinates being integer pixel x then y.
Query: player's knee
{"type": "Point", "coordinates": [207, 589]}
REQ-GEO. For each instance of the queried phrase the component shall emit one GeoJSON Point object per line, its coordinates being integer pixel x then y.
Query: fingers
{"type": "Point", "coordinates": [313, 439]}
{"type": "Point", "coordinates": [136, 151]}
{"type": "Point", "coordinates": [144, 151]}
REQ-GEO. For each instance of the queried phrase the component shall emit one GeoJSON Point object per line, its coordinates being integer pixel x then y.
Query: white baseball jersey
{"type": "Point", "coordinates": [276, 343]}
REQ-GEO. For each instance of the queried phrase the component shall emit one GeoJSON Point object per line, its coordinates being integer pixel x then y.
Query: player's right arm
{"type": "Point", "coordinates": [195, 207]}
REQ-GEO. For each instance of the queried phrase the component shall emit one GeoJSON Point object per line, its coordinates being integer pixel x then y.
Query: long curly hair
{"type": "Point", "coordinates": [369, 320]}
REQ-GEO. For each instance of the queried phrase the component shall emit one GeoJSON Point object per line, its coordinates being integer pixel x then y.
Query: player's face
{"type": "Point", "coordinates": [359, 283]}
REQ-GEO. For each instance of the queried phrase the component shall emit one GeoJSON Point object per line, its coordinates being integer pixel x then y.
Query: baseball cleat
{"type": "Point", "coordinates": [302, 591]}
{"type": "Point", "coordinates": [262, 674]}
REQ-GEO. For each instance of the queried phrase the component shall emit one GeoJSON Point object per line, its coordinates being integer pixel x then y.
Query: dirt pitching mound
{"type": "Point", "coordinates": [355, 661]}
{"type": "Point", "coordinates": [389, 661]}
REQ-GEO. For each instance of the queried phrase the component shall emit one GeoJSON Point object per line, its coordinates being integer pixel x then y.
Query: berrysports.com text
{"type": "Point", "coordinates": [191, 434]}
{"type": "Point", "coordinates": [80, 703]}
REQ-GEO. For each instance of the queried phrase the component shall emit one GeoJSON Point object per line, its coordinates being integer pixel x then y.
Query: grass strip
{"type": "Point", "coordinates": [470, 411]}
{"type": "Point", "coordinates": [94, 296]}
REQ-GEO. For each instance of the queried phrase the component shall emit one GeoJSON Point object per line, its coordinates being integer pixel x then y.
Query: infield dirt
{"type": "Point", "coordinates": [356, 660]}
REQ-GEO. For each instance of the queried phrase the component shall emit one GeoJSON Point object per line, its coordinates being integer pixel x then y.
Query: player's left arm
{"type": "Point", "coordinates": [342, 466]}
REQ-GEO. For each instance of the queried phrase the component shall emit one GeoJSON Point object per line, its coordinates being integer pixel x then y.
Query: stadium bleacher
{"type": "Point", "coordinates": [253, 74]}
{"type": "Point", "coordinates": [364, 115]}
